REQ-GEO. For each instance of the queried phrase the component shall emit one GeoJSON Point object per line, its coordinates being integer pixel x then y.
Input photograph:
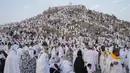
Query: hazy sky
{"type": "Point", "coordinates": [17, 10]}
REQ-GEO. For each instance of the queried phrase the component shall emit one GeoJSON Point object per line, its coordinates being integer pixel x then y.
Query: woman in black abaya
{"type": "Point", "coordinates": [79, 66]}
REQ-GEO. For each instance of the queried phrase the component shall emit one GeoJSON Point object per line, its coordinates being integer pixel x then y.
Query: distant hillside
{"type": "Point", "coordinates": [75, 20]}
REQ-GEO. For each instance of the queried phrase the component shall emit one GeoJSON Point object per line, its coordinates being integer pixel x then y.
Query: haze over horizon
{"type": "Point", "coordinates": [18, 10]}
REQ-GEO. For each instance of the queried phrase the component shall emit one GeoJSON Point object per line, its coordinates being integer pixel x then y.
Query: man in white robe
{"type": "Point", "coordinates": [12, 61]}
{"type": "Point", "coordinates": [42, 64]}
{"type": "Point", "coordinates": [61, 51]}
{"type": "Point", "coordinates": [61, 54]}
{"type": "Point", "coordinates": [103, 58]}
{"type": "Point", "coordinates": [7, 50]}
{"type": "Point", "coordinates": [66, 67]}
{"type": "Point", "coordinates": [53, 56]}
{"type": "Point", "coordinates": [89, 58]}
{"type": "Point", "coordinates": [96, 58]}
{"type": "Point", "coordinates": [20, 52]}
{"type": "Point", "coordinates": [41, 51]}
{"type": "Point", "coordinates": [66, 49]}
{"type": "Point", "coordinates": [113, 62]}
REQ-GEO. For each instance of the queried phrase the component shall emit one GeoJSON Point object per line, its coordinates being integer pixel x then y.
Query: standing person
{"type": "Point", "coordinates": [3, 56]}
{"type": "Point", "coordinates": [96, 59]}
{"type": "Point", "coordinates": [79, 66]}
{"type": "Point", "coordinates": [66, 49]}
{"type": "Point", "coordinates": [7, 50]}
{"type": "Point", "coordinates": [61, 54]}
{"type": "Point", "coordinates": [61, 51]}
{"type": "Point", "coordinates": [66, 67]}
{"type": "Point", "coordinates": [12, 61]}
{"type": "Point", "coordinates": [20, 51]}
{"type": "Point", "coordinates": [31, 50]}
{"type": "Point", "coordinates": [103, 58]}
{"type": "Point", "coordinates": [27, 64]}
{"type": "Point", "coordinates": [53, 56]}
{"type": "Point", "coordinates": [123, 56]}
{"type": "Point", "coordinates": [113, 62]}
{"type": "Point", "coordinates": [43, 64]}
{"type": "Point", "coordinates": [89, 58]}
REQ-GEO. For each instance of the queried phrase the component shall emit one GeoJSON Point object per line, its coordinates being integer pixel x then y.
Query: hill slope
{"type": "Point", "coordinates": [74, 21]}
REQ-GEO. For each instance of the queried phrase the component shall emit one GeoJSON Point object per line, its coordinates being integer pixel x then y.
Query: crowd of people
{"type": "Point", "coordinates": [42, 45]}
{"type": "Point", "coordinates": [61, 56]}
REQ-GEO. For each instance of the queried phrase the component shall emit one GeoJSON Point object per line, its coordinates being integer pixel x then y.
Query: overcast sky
{"type": "Point", "coordinates": [17, 10]}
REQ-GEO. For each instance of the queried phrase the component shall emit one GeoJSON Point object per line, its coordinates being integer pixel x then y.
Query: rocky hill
{"type": "Point", "coordinates": [74, 21]}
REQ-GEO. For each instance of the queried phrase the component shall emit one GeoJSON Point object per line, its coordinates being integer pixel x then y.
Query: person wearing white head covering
{"type": "Point", "coordinates": [89, 58]}
{"type": "Point", "coordinates": [61, 51]}
{"type": "Point", "coordinates": [7, 50]}
{"type": "Point", "coordinates": [42, 64]}
{"type": "Point", "coordinates": [53, 56]}
{"type": "Point", "coordinates": [12, 61]}
{"type": "Point", "coordinates": [66, 67]}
